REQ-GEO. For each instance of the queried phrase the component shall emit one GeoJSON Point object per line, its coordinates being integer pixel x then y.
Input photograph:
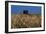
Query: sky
{"type": "Point", "coordinates": [15, 9]}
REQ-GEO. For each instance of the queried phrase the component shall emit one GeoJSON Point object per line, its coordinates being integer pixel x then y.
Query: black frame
{"type": "Point", "coordinates": [6, 16]}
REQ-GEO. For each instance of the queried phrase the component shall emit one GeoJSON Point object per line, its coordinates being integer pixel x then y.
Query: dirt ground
{"type": "Point", "coordinates": [25, 21]}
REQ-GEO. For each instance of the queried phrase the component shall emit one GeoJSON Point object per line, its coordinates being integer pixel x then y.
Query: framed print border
{"type": "Point", "coordinates": [6, 16]}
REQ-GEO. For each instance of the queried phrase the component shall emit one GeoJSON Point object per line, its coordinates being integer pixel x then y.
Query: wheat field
{"type": "Point", "coordinates": [25, 21]}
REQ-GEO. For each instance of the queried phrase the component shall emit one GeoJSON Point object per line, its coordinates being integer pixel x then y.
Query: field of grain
{"type": "Point", "coordinates": [25, 21]}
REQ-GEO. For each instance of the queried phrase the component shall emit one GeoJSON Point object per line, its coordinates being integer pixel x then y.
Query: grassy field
{"type": "Point", "coordinates": [25, 21]}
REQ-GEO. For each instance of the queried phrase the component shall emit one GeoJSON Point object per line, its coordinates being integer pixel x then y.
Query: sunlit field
{"type": "Point", "coordinates": [25, 20]}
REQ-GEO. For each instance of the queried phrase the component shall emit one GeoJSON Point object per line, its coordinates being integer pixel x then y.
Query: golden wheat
{"type": "Point", "coordinates": [25, 21]}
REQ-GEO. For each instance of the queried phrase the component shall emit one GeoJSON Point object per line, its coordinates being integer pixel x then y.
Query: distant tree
{"type": "Point", "coordinates": [25, 12]}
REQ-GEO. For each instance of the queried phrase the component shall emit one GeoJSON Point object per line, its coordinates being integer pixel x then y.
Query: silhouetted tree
{"type": "Point", "coordinates": [25, 12]}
